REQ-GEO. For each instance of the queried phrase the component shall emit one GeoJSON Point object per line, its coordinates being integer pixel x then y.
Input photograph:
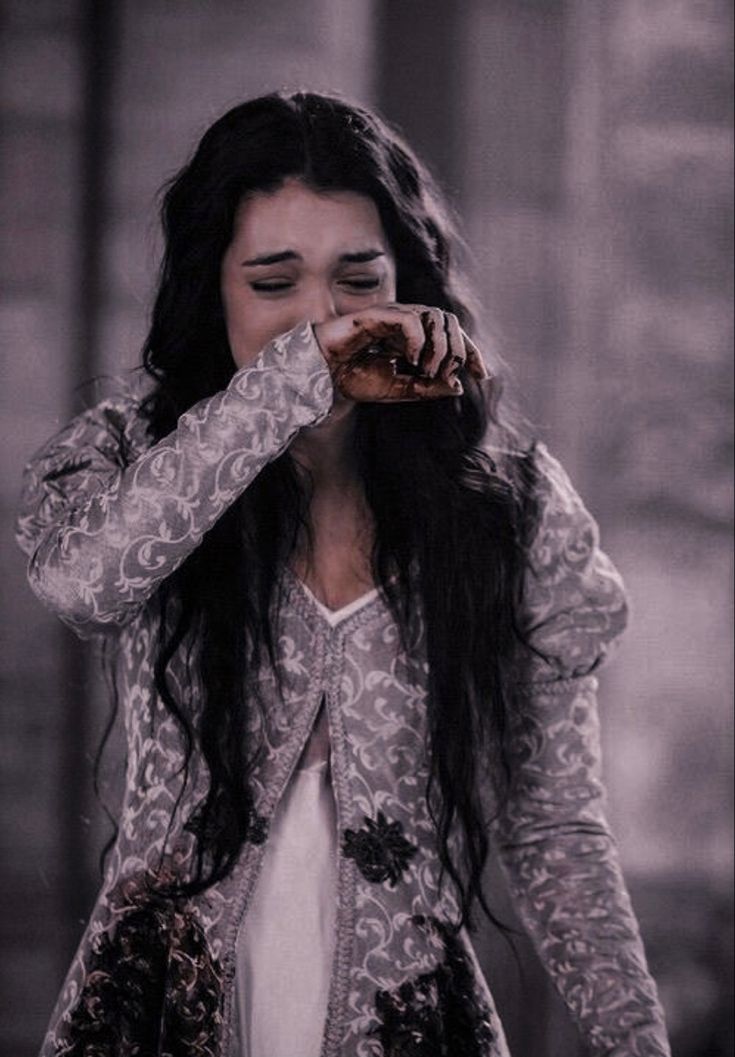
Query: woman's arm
{"type": "Point", "coordinates": [102, 536]}
{"type": "Point", "coordinates": [554, 841]}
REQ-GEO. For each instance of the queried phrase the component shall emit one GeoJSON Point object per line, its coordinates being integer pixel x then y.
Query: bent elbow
{"type": "Point", "coordinates": [87, 610]}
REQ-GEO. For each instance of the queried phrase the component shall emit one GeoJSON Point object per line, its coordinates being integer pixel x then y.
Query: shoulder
{"type": "Point", "coordinates": [84, 456]}
{"type": "Point", "coordinates": [113, 427]}
{"type": "Point", "coordinates": [566, 535]}
{"type": "Point", "coordinates": [574, 605]}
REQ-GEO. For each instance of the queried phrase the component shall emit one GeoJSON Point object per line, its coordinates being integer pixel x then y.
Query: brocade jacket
{"type": "Point", "coordinates": [105, 517]}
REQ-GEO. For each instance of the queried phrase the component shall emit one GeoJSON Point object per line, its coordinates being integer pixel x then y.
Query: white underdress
{"type": "Point", "coordinates": [285, 946]}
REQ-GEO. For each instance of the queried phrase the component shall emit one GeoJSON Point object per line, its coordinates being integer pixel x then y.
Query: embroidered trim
{"type": "Point", "coordinates": [542, 687]}
{"type": "Point", "coordinates": [375, 608]}
{"type": "Point", "coordinates": [258, 831]}
{"type": "Point", "coordinates": [346, 872]}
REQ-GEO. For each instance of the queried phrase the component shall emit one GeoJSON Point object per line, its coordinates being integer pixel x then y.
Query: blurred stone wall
{"type": "Point", "coordinates": [598, 193]}
{"type": "Point", "coordinates": [39, 158]}
{"type": "Point", "coordinates": [587, 146]}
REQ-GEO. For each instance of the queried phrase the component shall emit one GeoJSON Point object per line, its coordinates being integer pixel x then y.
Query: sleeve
{"type": "Point", "coordinates": [101, 536]}
{"type": "Point", "coordinates": [552, 836]}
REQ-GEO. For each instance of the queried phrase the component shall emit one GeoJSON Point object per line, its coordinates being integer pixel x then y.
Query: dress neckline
{"type": "Point", "coordinates": [353, 615]}
{"type": "Point", "coordinates": [335, 616]}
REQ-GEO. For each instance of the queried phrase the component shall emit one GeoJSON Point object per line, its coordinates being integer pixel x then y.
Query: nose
{"type": "Point", "coordinates": [321, 305]}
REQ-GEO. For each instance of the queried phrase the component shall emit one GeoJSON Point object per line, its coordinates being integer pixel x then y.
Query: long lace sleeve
{"type": "Point", "coordinates": [102, 535]}
{"type": "Point", "coordinates": [553, 839]}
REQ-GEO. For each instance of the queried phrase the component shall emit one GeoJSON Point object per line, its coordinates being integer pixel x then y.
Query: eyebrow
{"type": "Point", "coordinates": [361, 257]}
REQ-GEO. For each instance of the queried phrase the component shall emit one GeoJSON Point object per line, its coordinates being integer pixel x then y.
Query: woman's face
{"type": "Point", "coordinates": [297, 255]}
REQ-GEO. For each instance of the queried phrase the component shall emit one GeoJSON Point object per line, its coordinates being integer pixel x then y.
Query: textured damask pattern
{"type": "Point", "coordinates": [103, 535]}
{"type": "Point", "coordinates": [554, 841]}
{"type": "Point", "coordinates": [561, 862]}
{"type": "Point", "coordinates": [105, 518]}
{"type": "Point", "coordinates": [575, 606]}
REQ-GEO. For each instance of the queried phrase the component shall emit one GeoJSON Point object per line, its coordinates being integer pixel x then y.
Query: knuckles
{"type": "Point", "coordinates": [396, 352]}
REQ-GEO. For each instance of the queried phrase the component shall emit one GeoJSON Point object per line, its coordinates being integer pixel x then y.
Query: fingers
{"type": "Point", "coordinates": [475, 363]}
{"type": "Point", "coordinates": [396, 329]}
{"type": "Point", "coordinates": [377, 379]}
{"type": "Point", "coordinates": [363, 350]}
{"type": "Point", "coordinates": [447, 349]}
{"type": "Point", "coordinates": [435, 347]}
{"type": "Point", "coordinates": [456, 353]}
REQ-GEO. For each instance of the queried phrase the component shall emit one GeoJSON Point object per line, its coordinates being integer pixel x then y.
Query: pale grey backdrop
{"type": "Point", "coordinates": [587, 147]}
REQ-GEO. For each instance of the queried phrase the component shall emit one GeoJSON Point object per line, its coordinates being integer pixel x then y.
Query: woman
{"type": "Point", "coordinates": [354, 626]}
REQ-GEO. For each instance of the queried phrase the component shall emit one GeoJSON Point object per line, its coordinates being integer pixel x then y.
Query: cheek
{"type": "Point", "coordinates": [243, 329]}
{"type": "Point", "coordinates": [389, 287]}
{"type": "Point", "coordinates": [251, 324]}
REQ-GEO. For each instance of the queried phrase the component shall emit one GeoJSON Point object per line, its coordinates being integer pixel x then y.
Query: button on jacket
{"type": "Point", "coordinates": [106, 516]}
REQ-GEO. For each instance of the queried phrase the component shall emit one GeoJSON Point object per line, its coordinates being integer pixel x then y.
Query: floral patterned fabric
{"type": "Point", "coordinates": [105, 518]}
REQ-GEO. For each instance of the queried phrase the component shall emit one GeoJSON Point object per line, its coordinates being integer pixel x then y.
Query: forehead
{"type": "Point", "coordinates": [295, 217]}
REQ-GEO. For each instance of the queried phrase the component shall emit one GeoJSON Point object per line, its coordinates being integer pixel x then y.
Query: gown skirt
{"type": "Point", "coordinates": [285, 948]}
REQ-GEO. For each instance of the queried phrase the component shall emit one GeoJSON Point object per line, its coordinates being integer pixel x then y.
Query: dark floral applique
{"type": "Point", "coordinates": [437, 1014]}
{"type": "Point", "coordinates": [151, 985]}
{"type": "Point", "coordinates": [380, 850]}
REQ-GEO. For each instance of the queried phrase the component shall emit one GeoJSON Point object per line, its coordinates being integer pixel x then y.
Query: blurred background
{"type": "Point", "coordinates": [586, 145]}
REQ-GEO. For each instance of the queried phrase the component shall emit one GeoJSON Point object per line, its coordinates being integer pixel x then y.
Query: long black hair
{"type": "Point", "coordinates": [450, 519]}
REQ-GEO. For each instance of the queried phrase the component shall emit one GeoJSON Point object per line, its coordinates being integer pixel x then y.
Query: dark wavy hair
{"type": "Point", "coordinates": [451, 521]}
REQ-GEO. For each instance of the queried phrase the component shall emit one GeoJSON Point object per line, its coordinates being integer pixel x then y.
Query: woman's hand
{"type": "Point", "coordinates": [391, 353]}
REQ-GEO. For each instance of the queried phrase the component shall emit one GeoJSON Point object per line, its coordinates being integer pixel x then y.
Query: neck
{"type": "Point", "coordinates": [326, 452]}
{"type": "Point", "coordinates": [340, 524]}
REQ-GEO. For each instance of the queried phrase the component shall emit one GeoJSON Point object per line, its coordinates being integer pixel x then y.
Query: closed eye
{"type": "Point", "coordinates": [275, 286]}
{"type": "Point", "coordinates": [270, 287]}
{"type": "Point", "coordinates": [362, 284]}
